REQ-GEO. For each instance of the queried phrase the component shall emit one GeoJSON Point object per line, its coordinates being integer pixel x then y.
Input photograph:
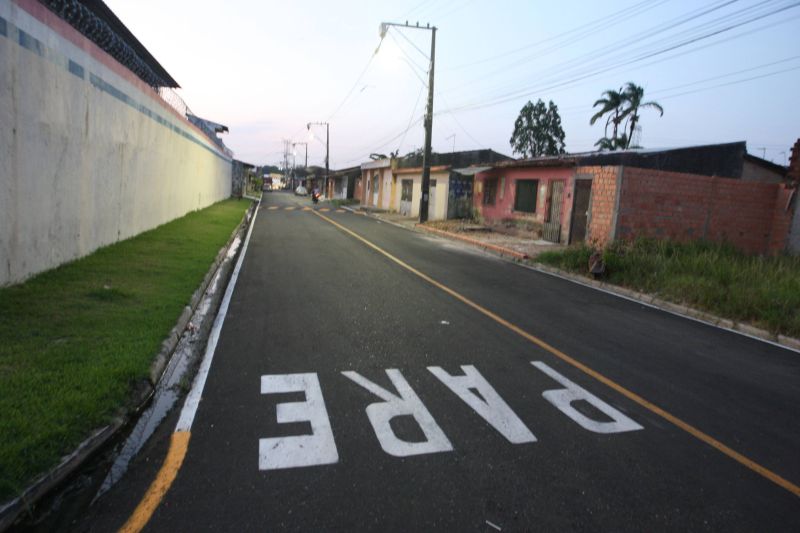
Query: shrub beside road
{"type": "Point", "coordinates": [763, 291]}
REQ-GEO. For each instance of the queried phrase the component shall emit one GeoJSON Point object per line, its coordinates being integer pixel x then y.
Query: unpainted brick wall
{"type": "Point", "coordinates": [683, 207]}
{"type": "Point", "coordinates": [603, 203]}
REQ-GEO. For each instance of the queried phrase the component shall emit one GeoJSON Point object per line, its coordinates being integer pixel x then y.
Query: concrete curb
{"type": "Point", "coordinates": [11, 510]}
{"type": "Point", "coordinates": [685, 311]}
{"type": "Point", "coordinates": [502, 250]}
{"type": "Point", "coordinates": [651, 300]}
{"type": "Point", "coordinates": [169, 344]}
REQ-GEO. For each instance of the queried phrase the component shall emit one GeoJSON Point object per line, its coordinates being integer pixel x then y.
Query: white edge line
{"type": "Point", "coordinates": [653, 306]}
{"type": "Point", "coordinates": [194, 396]}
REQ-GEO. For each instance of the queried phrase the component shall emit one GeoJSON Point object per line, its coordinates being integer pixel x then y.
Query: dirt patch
{"type": "Point", "coordinates": [520, 236]}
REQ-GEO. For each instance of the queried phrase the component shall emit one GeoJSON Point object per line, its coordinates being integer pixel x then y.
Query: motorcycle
{"type": "Point", "coordinates": [315, 197]}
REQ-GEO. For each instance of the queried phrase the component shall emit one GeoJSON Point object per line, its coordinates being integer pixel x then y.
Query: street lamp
{"type": "Point", "coordinates": [426, 154]}
{"type": "Point", "coordinates": [327, 148]}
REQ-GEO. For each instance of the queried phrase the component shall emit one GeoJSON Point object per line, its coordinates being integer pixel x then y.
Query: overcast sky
{"type": "Point", "coordinates": [723, 70]}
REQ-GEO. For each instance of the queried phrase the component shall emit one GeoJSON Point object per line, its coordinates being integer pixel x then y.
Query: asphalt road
{"type": "Point", "coordinates": [381, 434]}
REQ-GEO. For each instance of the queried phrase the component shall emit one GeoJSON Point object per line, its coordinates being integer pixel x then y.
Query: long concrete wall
{"type": "Point", "coordinates": [89, 154]}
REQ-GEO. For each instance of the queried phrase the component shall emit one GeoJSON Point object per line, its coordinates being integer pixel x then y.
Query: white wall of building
{"type": "Point", "coordinates": [88, 154]}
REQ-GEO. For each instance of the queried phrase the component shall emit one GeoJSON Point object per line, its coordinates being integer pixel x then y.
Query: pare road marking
{"type": "Point", "coordinates": [575, 363]}
{"type": "Point", "coordinates": [319, 447]}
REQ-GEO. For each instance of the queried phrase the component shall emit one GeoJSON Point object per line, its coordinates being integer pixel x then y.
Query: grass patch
{"type": "Point", "coordinates": [717, 278]}
{"type": "Point", "coordinates": [340, 202]}
{"type": "Point", "coordinates": [74, 340]}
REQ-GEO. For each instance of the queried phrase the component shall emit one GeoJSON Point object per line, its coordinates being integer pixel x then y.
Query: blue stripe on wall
{"type": "Point", "coordinates": [76, 69]}
{"type": "Point", "coordinates": [31, 43]}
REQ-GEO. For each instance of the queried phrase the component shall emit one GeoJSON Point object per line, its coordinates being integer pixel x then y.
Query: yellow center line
{"type": "Point", "coordinates": [178, 445]}
{"type": "Point", "coordinates": [704, 437]}
{"type": "Point", "coordinates": [324, 209]}
{"type": "Point", "coordinates": [306, 209]}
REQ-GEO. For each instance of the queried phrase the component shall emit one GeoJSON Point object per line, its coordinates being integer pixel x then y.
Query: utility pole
{"type": "Point", "coordinates": [285, 161]}
{"type": "Point", "coordinates": [327, 148]}
{"type": "Point", "coordinates": [305, 167]}
{"type": "Point", "coordinates": [426, 154]}
{"type": "Point", "coordinates": [453, 136]}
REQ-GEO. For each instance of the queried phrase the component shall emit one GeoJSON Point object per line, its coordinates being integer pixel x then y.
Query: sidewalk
{"type": "Point", "coordinates": [481, 236]}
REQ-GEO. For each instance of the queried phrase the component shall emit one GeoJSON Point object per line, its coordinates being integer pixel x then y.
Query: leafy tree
{"type": "Point", "coordinates": [538, 131]}
{"type": "Point", "coordinates": [634, 94]}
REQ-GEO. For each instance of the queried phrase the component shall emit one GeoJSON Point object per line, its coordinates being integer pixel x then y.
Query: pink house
{"type": "Point", "coordinates": [712, 192]}
{"type": "Point", "coordinates": [528, 190]}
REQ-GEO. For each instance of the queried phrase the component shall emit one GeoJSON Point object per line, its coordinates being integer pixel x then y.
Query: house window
{"type": "Point", "coordinates": [525, 199]}
{"type": "Point", "coordinates": [490, 191]}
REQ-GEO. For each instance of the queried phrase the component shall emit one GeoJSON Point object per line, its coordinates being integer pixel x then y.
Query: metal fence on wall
{"type": "Point", "coordinates": [94, 27]}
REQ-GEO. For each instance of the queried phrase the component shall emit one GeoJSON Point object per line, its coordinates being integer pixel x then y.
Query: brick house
{"type": "Point", "coordinates": [714, 192]}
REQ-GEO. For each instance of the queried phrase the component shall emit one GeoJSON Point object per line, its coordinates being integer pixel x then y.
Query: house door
{"type": "Point", "coordinates": [432, 200]}
{"type": "Point", "coordinates": [392, 193]}
{"type": "Point", "coordinates": [405, 197]}
{"type": "Point", "coordinates": [375, 190]}
{"type": "Point", "coordinates": [552, 228]}
{"type": "Point", "coordinates": [580, 210]}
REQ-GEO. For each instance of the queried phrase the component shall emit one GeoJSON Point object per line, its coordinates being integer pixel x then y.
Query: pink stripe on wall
{"type": "Point", "coordinates": [62, 28]}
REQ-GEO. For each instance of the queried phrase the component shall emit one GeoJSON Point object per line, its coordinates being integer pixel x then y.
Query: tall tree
{"type": "Point", "coordinates": [538, 131]}
{"type": "Point", "coordinates": [611, 104]}
{"type": "Point", "coordinates": [634, 96]}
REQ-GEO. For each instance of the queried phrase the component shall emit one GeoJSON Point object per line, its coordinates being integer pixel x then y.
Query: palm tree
{"type": "Point", "coordinates": [612, 101]}
{"type": "Point", "coordinates": [613, 143]}
{"type": "Point", "coordinates": [633, 96]}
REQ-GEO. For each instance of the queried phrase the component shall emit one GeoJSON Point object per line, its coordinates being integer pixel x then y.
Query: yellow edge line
{"type": "Point", "coordinates": [711, 441]}
{"type": "Point", "coordinates": [179, 443]}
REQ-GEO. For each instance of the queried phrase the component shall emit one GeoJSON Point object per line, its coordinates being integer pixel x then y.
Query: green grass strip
{"type": "Point", "coordinates": [764, 291]}
{"type": "Point", "coordinates": [75, 339]}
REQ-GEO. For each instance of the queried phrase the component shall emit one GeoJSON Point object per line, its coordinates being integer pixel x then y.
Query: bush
{"type": "Point", "coordinates": [714, 277]}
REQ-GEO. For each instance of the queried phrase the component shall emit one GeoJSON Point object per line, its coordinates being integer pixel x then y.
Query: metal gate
{"type": "Point", "coordinates": [432, 200]}
{"type": "Point", "coordinates": [406, 188]}
{"type": "Point", "coordinates": [551, 230]}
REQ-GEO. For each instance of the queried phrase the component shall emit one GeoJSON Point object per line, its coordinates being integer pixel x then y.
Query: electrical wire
{"type": "Point", "coordinates": [358, 80]}
{"type": "Point", "coordinates": [565, 81]}
{"type": "Point", "coordinates": [602, 53]}
{"type": "Point", "coordinates": [601, 24]}
{"type": "Point", "coordinates": [735, 82]}
{"type": "Point", "coordinates": [413, 112]}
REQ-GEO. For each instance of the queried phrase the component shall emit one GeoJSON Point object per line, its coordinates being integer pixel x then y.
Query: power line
{"type": "Point", "coordinates": [413, 112]}
{"type": "Point", "coordinates": [625, 14]}
{"type": "Point", "coordinates": [358, 80]}
{"type": "Point", "coordinates": [409, 41]}
{"type": "Point", "coordinates": [735, 82]}
{"type": "Point", "coordinates": [603, 52]}
{"type": "Point", "coordinates": [577, 76]}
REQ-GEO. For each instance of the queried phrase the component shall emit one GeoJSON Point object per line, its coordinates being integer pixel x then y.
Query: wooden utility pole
{"type": "Point", "coordinates": [426, 153]}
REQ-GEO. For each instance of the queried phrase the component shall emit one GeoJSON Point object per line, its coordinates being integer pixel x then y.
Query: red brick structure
{"type": "Point", "coordinates": [603, 208]}
{"type": "Point", "coordinates": [633, 202]}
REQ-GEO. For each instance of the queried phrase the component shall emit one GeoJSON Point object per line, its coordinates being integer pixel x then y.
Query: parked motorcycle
{"type": "Point", "coordinates": [315, 197]}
